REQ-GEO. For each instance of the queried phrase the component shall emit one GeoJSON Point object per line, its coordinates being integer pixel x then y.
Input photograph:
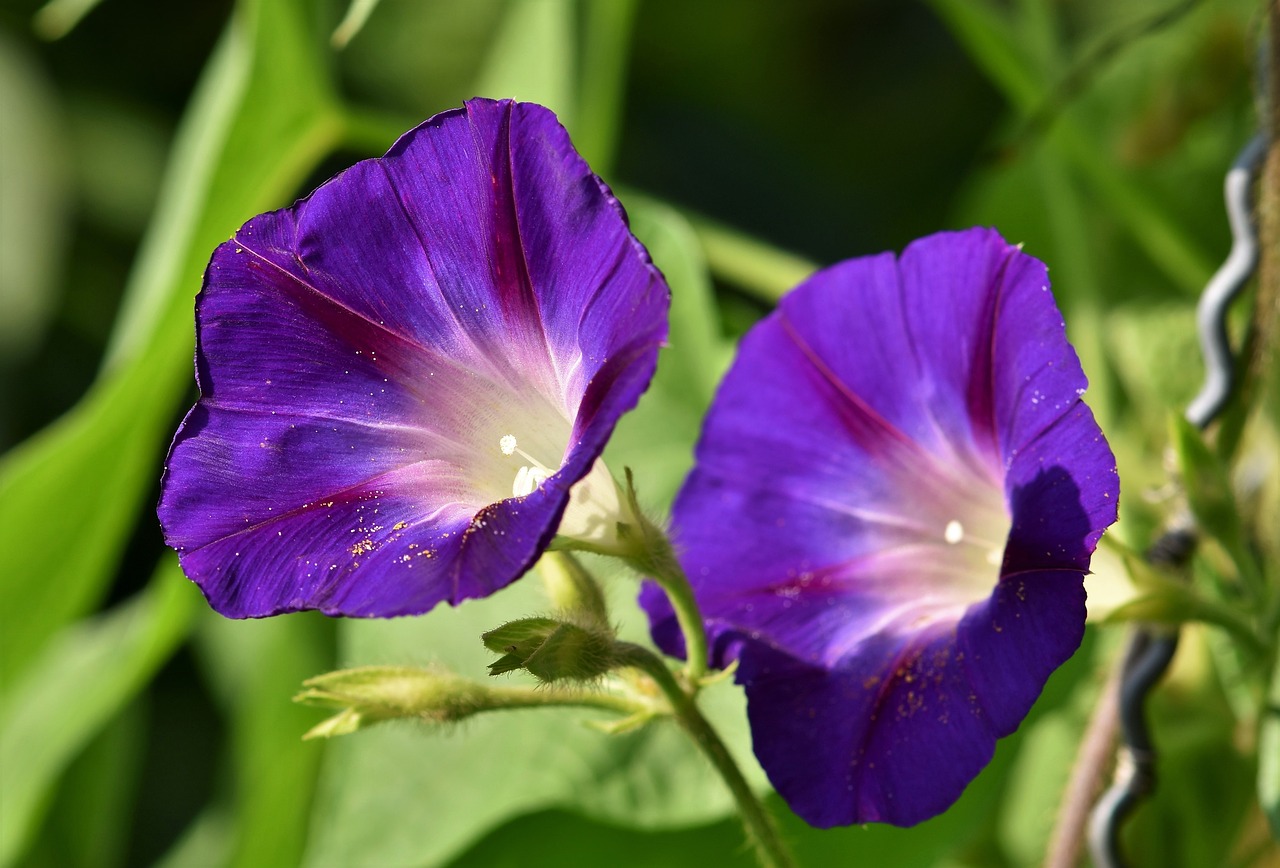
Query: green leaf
{"type": "Point", "coordinates": [532, 57]}
{"type": "Point", "coordinates": [90, 818]}
{"type": "Point", "coordinates": [995, 40]}
{"type": "Point", "coordinates": [260, 120]}
{"type": "Point", "coordinates": [1269, 754]}
{"type": "Point", "coordinates": [1212, 500]}
{"type": "Point", "coordinates": [256, 666]}
{"type": "Point", "coordinates": [56, 18]}
{"type": "Point", "coordinates": [1205, 479]}
{"type": "Point", "coordinates": [1171, 601]}
{"type": "Point", "coordinates": [79, 681]}
{"type": "Point", "coordinates": [34, 171]}
{"type": "Point", "coordinates": [656, 439]}
{"type": "Point", "coordinates": [606, 44]}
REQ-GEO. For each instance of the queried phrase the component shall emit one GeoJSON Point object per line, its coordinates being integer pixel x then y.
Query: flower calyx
{"type": "Point", "coordinates": [552, 650]}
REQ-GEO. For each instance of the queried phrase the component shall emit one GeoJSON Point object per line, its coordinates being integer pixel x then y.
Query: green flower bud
{"type": "Point", "coordinates": [372, 694]}
{"type": "Point", "coordinates": [551, 650]}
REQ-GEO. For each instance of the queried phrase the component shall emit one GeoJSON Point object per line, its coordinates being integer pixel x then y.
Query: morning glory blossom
{"type": "Point", "coordinates": [407, 378]}
{"type": "Point", "coordinates": [895, 499]}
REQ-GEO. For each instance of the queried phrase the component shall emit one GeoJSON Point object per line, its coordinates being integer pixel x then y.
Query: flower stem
{"type": "Point", "coordinates": [762, 832]}
{"type": "Point", "coordinates": [665, 570]}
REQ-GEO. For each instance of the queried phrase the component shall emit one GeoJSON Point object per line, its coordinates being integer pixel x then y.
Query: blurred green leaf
{"type": "Point", "coordinates": [1166, 600]}
{"type": "Point", "coordinates": [759, 268]}
{"type": "Point", "coordinates": [56, 18]}
{"type": "Point", "coordinates": [656, 439]}
{"type": "Point", "coordinates": [1212, 501]}
{"type": "Point", "coordinates": [120, 152]}
{"type": "Point", "coordinates": [206, 842]}
{"type": "Point", "coordinates": [1269, 755]}
{"type": "Point", "coordinates": [995, 40]}
{"type": "Point", "coordinates": [79, 681]}
{"type": "Point", "coordinates": [1143, 338]}
{"type": "Point", "coordinates": [35, 204]}
{"type": "Point", "coordinates": [91, 814]}
{"type": "Point", "coordinates": [532, 57]}
{"type": "Point", "coordinates": [606, 46]}
{"type": "Point", "coordinates": [256, 666]}
{"type": "Point", "coordinates": [259, 122]}
{"type": "Point", "coordinates": [1205, 479]}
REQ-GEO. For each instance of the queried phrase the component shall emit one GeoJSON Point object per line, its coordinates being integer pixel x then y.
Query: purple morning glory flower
{"type": "Point", "coordinates": [408, 376]}
{"type": "Point", "coordinates": [896, 496]}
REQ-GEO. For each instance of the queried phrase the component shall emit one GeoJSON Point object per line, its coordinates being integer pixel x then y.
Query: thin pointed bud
{"type": "Point", "coordinates": [551, 650]}
{"type": "Point", "coordinates": [573, 590]}
{"type": "Point", "coordinates": [372, 694]}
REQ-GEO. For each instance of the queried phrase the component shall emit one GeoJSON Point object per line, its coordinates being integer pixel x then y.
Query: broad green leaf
{"type": "Point", "coordinates": [79, 681]}
{"type": "Point", "coordinates": [256, 667]}
{"type": "Point", "coordinates": [258, 123]}
{"type": "Point", "coordinates": [413, 794]}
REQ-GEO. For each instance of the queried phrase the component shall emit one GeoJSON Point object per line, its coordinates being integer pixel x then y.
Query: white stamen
{"type": "Point", "coordinates": [954, 532]}
{"type": "Point", "coordinates": [527, 481]}
{"type": "Point", "coordinates": [507, 444]}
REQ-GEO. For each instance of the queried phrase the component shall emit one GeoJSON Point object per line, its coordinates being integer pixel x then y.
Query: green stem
{"type": "Point", "coordinates": [664, 569]}
{"type": "Point", "coordinates": [504, 698]}
{"type": "Point", "coordinates": [760, 827]}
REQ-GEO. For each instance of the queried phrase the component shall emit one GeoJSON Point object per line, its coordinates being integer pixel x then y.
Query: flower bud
{"type": "Point", "coordinates": [551, 650]}
{"type": "Point", "coordinates": [372, 694]}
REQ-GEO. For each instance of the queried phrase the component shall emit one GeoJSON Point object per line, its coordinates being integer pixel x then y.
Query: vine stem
{"type": "Point", "coordinates": [761, 830]}
{"type": "Point", "coordinates": [666, 571]}
{"type": "Point", "coordinates": [1087, 774]}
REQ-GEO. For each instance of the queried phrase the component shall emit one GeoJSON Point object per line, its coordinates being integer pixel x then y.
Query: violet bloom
{"type": "Point", "coordinates": [407, 376]}
{"type": "Point", "coordinates": [896, 495]}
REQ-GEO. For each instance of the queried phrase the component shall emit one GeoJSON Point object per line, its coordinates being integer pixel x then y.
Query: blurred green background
{"type": "Point", "coordinates": [751, 141]}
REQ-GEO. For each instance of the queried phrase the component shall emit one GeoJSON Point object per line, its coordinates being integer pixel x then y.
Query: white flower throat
{"type": "Point", "coordinates": [596, 508]}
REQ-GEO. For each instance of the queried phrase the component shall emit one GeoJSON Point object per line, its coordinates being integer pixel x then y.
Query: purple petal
{"type": "Point", "coordinates": [896, 495]}
{"type": "Point", "coordinates": [362, 354]}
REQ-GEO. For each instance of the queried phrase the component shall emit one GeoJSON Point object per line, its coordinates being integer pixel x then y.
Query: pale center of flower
{"type": "Point", "coordinates": [530, 475]}
{"type": "Point", "coordinates": [595, 507]}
